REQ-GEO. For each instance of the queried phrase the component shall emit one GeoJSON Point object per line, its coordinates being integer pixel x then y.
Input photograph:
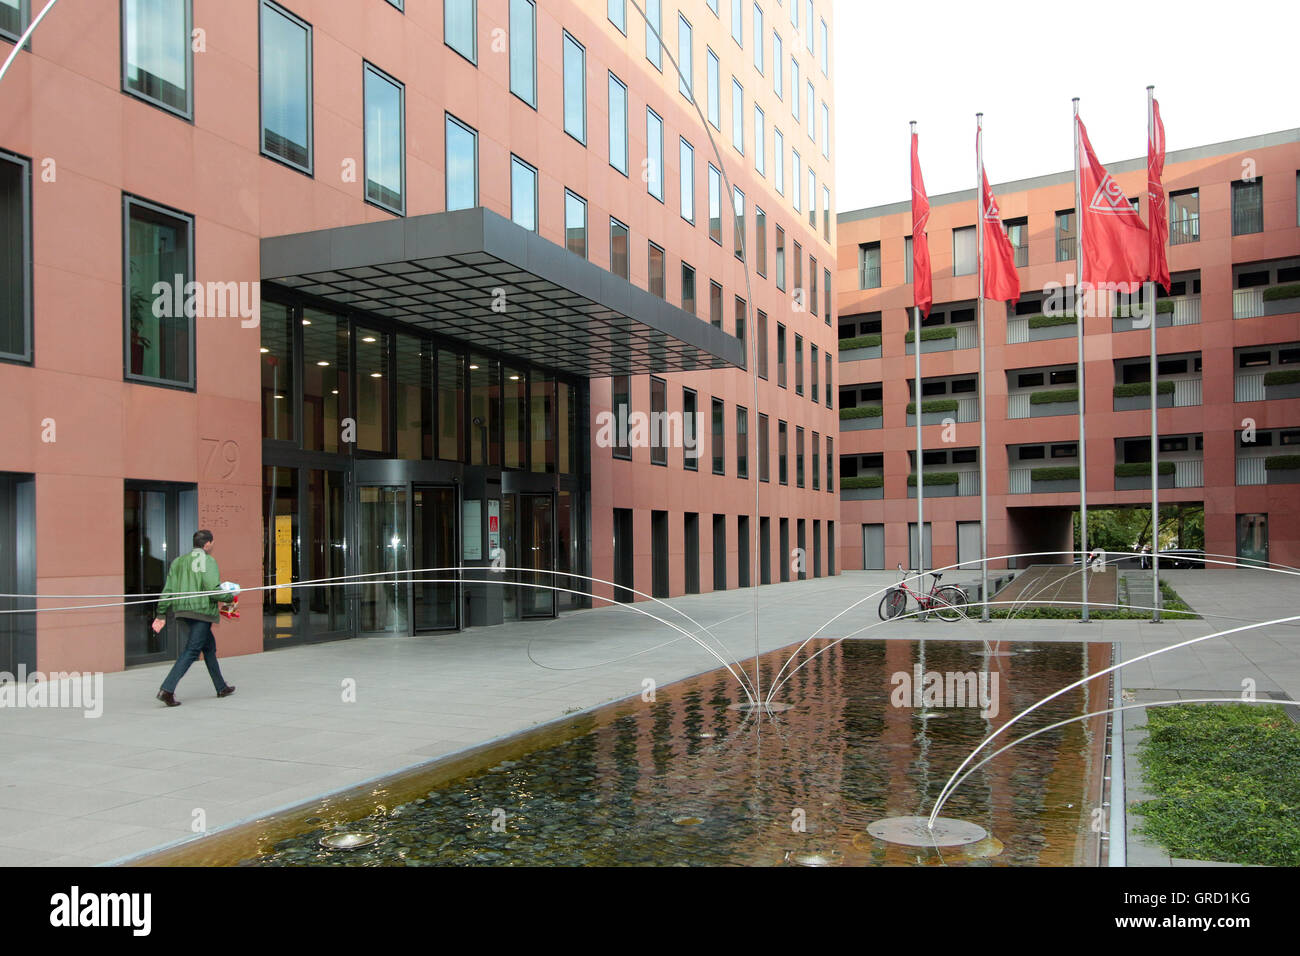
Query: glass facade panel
{"type": "Point", "coordinates": [160, 250]}
{"type": "Point", "coordinates": [156, 60]}
{"type": "Point", "coordinates": [326, 382]}
{"type": "Point", "coordinates": [515, 418]}
{"type": "Point", "coordinates": [462, 165]}
{"type": "Point", "coordinates": [277, 372]}
{"type": "Point", "coordinates": [523, 50]}
{"type": "Point", "coordinates": [414, 388]}
{"type": "Point", "coordinates": [385, 141]}
{"type": "Point", "coordinates": [15, 257]}
{"type": "Point", "coordinates": [541, 425]}
{"type": "Point", "coordinates": [484, 410]}
{"type": "Point", "coordinates": [286, 87]}
{"type": "Point", "coordinates": [451, 405]}
{"type": "Point", "coordinates": [373, 409]}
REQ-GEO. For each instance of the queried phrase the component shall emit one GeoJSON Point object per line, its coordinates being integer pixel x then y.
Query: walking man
{"type": "Point", "coordinates": [189, 577]}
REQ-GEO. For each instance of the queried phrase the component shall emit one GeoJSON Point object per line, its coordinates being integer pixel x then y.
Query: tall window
{"type": "Point", "coordinates": [654, 145]}
{"type": "Point", "coordinates": [829, 401]}
{"type": "Point", "coordinates": [816, 461]}
{"type": "Point", "coordinates": [617, 10]}
{"type": "Point", "coordinates": [869, 265]}
{"type": "Point", "coordinates": [1018, 235]}
{"type": "Point", "coordinates": [685, 59]}
{"type": "Point", "coordinates": [815, 393]}
{"type": "Point", "coordinates": [1184, 217]}
{"type": "Point", "coordinates": [826, 49]}
{"type": "Point", "coordinates": [778, 66]}
{"type": "Point", "coordinates": [1065, 235]}
{"type": "Point", "coordinates": [826, 276]}
{"type": "Point", "coordinates": [812, 112]}
{"type": "Point", "coordinates": [622, 401]}
{"type": "Point", "coordinates": [618, 240]}
{"type": "Point", "coordinates": [780, 355]}
{"type": "Point", "coordinates": [719, 448]}
{"type": "Point", "coordinates": [575, 89]}
{"type": "Point", "coordinates": [462, 165]}
{"type": "Point", "coordinates": [764, 465]}
{"type": "Point", "coordinates": [523, 193]}
{"type": "Point", "coordinates": [809, 36]}
{"type": "Point", "coordinates": [740, 324]}
{"type": "Point", "coordinates": [653, 50]}
{"type": "Point", "coordinates": [782, 453]}
{"type": "Point", "coordinates": [798, 456]}
{"type": "Point", "coordinates": [575, 224]}
{"type": "Point", "coordinates": [656, 270]}
{"type": "Point", "coordinates": [690, 434]}
{"type": "Point", "coordinates": [737, 116]}
{"type": "Point", "coordinates": [658, 411]}
{"type": "Point", "coordinates": [760, 241]}
{"type": "Point", "coordinates": [688, 288]}
{"type": "Point", "coordinates": [798, 364]}
{"type": "Point", "coordinates": [738, 21]}
{"type": "Point", "coordinates": [523, 50]}
{"type": "Point", "coordinates": [760, 159]}
{"type": "Point", "coordinates": [715, 205]}
{"type": "Point", "coordinates": [1247, 207]}
{"type": "Point", "coordinates": [686, 180]}
{"type": "Point", "coordinates": [796, 181]}
{"type": "Point", "coordinates": [757, 38]}
{"type": "Point", "coordinates": [157, 61]}
{"type": "Point", "coordinates": [738, 219]}
{"type": "Point", "coordinates": [286, 87]}
{"type": "Point", "coordinates": [812, 197]}
{"type": "Point", "coordinates": [794, 88]}
{"type": "Point", "coordinates": [761, 335]}
{"type": "Point", "coordinates": [16, 258]}
{"type": "Point", "coordinates": [778, 161]}
{"type": "Point", "coordinates": [385, 110]}
{"type": "Point", "coordinates": [742, 442]}
{"type": "Point", "coordinates": [459, 27]}
{"type": "Point", "coordinates": [714, 90]}
{"type": "Point", "coordinates": [780, 258]}
{"type": "Point", "coordinates": [159, 249]}
{"type": "Point", "coordinates": [618, 152]}
{"type": "Point", "coordinates": [812, 284]}
{"type": "Point", "coordinates": [794, 13]}
{"type": "Point", "coordinates": [907, 260]}
{"type": "Point", "coordinates": [15, 15]}
{"type": "Point", "coordinates": [715, 305]}
{"type": "Point", "coordinates": [826, 214]}
{"type": "Point", "coordinates": [826, 130]}
{"type": "Point", "coordinates": [963, 251]}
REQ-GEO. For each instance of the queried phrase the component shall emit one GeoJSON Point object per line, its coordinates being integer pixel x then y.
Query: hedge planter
{"type": "Point", "coordinates": [1043, 333]}
{"type": "Point", "coordinates": [934, 412]}
{"type": "Point", "coordinates": [1283, 469]}
{"type": "Point", "coordinates": [934, 491]}
{"type": "Point", "coordinates": [933, 345]}
{"type": "Point", "coordinates": [1123, 320]}
{"type": "Point", "coordinates": [1142, 482]}
{"type": "Point", "coordinates": [1057, 486]}
{"type": "Point", "coordinates": [1282, 384]}
{"type": "Point", "coordinates": [931, 418]}
{"type": "Point", "coordinates": [862, 494]}
{"type": "Point", "coordinates": [1127, 403]}
{"type": "Point", "coordinates": [1282, 299]}
{"type": "Point", "coordinates": [860, 355]}
{"type": "Point", "coordinates": [861, 424]}
{"type": "Point", "coordinates": [1048, 409]}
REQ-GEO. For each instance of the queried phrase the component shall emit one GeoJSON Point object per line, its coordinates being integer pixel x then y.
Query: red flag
{"type": "Point", "coordinates": [1001, 282]}
{"type": "Point", "coordinates": [923, 293]}
{"type": "Point", "coordinates": [1115, 240]}
{"type": "Point", "coordinates": [1158, 217]}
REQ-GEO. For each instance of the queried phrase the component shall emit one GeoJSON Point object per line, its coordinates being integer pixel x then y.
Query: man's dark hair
{"type": "Point", "coordinates": [202, 537]}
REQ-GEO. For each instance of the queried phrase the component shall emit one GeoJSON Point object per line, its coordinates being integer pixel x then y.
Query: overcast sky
{"type": "Point", "coordinates": [1221, 71]}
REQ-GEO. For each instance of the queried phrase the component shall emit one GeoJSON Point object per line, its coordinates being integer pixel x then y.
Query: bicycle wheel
{"type": "Point", "coordinates": [950, 603]}
{"type": "Point", "coordinates": [892, 604]}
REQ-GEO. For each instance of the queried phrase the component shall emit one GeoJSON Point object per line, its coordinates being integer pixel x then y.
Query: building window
{"type": "Point", "coordinates": [826, 214]}
{"type": "Point", "coordinates": [760, 241]}
{"type": "Point", "coordinates": [1018, 235]}
{"type": "Point", "coordinates": [656, 270]}
{"type": "Point", "coordinates": [654, 137]}
{"type": "Point", "coordinates": [459, 27]}
{"type": "Point", "coordinates": [778, 161]}
{"type": "Point", "coordinates": [658, 413]}
{"type": "Point", "coordinates": [15, 15]}
{"type": "Point", "coordinates": [385, 111]}
{"type": "Point", "coordinates": [780, 258]}
{"type": "Point", "coordinates": [738, 21]}
{"type": "Point", "coordinates": [780, 355]}
{"type": "Point", "coordinates": [816, 461]}
{"type": "Point", "coordinates": [715, 205]}
{"type": "Point", "coordinates": [798, 456]}
{"type": "Point", "coordinates": [830, 402]}
{"type": "Point", "coordinates": [690, 436]}
{"type": "Point", "coordinates": [907, 260]}
{"type": "Point", "coordinates": [808, 25]}
{"type": "Point", "coordinates": [575, 224]}
{"type": "Point", "coordinates": [617, 11]}
{"type": "Point", "coordinates": [715, 305]}
{"type": "Point", "coordinates": [782, 453]}
{"type": "Point", "coordinates": [830, 486]}
{"type": "Point", "coordinates": [764, 465]}
{"type": "Point", "coordinates": [826, 130]}
{"type": "Point", "coordinates": [738, 220]}
{"type": "Point", "coordinates": [618, 240]}
{"type": "Point", "coordinates": [760, 161]}
{"type": "Point", "coordinates": [1184, 217]}
{"type": "Point", "coordinates": [740, 324]}
{"type": "Point", "coordinates": [653, 50]}
{"type": "Point", "coordinates": [812, 285]}
{"type": "Point", "coordinates": [618, 157]}
{"type": "Point", "coordinates": [815, 393]}
{"type": "Point", "coordinates": [1065, 235]}
{"type": "Point", "coordinates": [798, 364]}
{"type": "Point", "coordinates": [796, 181]}
{"type": "Point", "coordinates": [719, 448]}
{"type": "Point", "coordinates": [794, 88]}
{"type": "Point", "coordinates": [826, 276]}
{"type": "Point", "coordinates": [963, 251]}
{"type": "Point", "coordinates": [761, 344]}
{"type": "Point", "coordinates": [742, 442]}
{"type": "Point", "coordinates": [622, 401]}
{"type": "Point", "coordinates": [523, 193]}
{"type": "Point", "coordinates": [685, 59]}
{"type": "Point", "coordinates": [812, 112]}
{"type": "Point", "coordinates": [575, 89]}
{"type": "Point", "coordinates": [159, 249]}
{"type": "Point", "coordinates": [1247, 207]}
{"type": "Point", "coordinates": [737, 116]}
{"type": "Point", "coordinates": [714, 90]}
{"type": "Point", "coordinates": [462, 165]}
{"type": "Point", "coordinates": [157, 60]}
{"type": "Point", "coordinates": [286, 87]}
{"type": "Point", "coordinates": [15, 258]}
{"type": "Point", "coordinates": [800, 302]}
{"type": "Point", "coordinates": [688, 289]}
{"type": "Point", "coordinates": [686, 180]}
{"type": "Point", "coordinates": [523, 50]}
{"type": "Point", "coordinates": [757, 38]}
{"type": "Point", "coordinates": [812, 198]}
{"type": "Point", "coordinates": [826, 50]}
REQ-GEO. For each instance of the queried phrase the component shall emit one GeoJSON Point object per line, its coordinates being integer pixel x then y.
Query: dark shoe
{"type": "Point", "coordinates": [168, 698]}
{"type": "Point", "coordinates": [230, 689]}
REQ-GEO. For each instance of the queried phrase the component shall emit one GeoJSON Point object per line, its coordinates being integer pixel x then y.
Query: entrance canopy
{"type": "Point", "coordinates": [475, 276]}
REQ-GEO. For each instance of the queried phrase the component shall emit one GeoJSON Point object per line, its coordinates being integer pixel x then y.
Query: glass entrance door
{"type": "Point", "coordinates": [383, 560]}
{"type": "Point", "coordinates": [1252, 539]}
{"type": "Point", "coordinates": [435, 591]}
{"type": "Point", "coordinates": [537, 555]}
{"type": "Point", "coordinates": [158, 522]}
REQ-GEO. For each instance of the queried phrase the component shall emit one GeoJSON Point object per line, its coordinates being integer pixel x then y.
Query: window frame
{"type": "Point", "coordinates": [532, 6]}
{"type": "Point", "coordinates": [613, 83]}
{"type": "Point", "coordinates": [586, 223]}
{"type": "Point", "coordinates": [368, 68]}
{"type": "Point", "coordinates": [188, 113]}
{"type": "Point", "coordinates": [651, 117]}
{"type": "Point", "coordinates": [515, 159]}
{"type": "Point", "coordinates": [24, 21]}
{"type": "Point", "coordinates": [472, 56]}
{"type": "Point", "coordinates": [685, 61]}
{"type": "Point", "coordinates": [24, 165]}
{"type": "Point", "coordinates": [309, 168]}
{"type": "Point", "coordinates": [130, 200]}
{"type": "Point", "coordinates": [450, 120]}
{"type": "Point", "coordinates": [567, 38]}
{"type": "Point", "coordinates": [685, 183]}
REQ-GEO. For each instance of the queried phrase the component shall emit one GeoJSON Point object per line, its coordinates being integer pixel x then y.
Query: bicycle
{"type": "Point", "coordinates": [948, 603]}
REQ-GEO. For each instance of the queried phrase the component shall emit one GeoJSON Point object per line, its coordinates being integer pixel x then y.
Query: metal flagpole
{"type": "Point", "coordinates": [916, 397]}
{"type": "Point", "coordinates": [984, 468]}
{"type": "Point", "coordinates": [1155, 435]}
{"type": "Point", "coordinates": [1083, 395]}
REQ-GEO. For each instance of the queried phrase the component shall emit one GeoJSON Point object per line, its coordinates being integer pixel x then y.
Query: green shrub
{"type": "Point", "coordinates": [1054, 396]}
{"type": "Point", "coordinates": [933, 334]}
{"type": "Point", "coordinates": [1282, 462]}
{"type": "Point", "coordinates": [1275, 293]}
{"type": "Point", "coordinates": [934, 479]}
{"type": "Point", "coordinates": [1047, 321]}
{"type": "Point", "coordinates": [859, 342]}
{"type": "Point", "coordinates": [862, 481]}
{"type": "Point", "coordinates": [1286, 376]}
{"type": "Point", "coordinates": [868, 412]}
{"type": "Point", "coordinates": [1138, 389]}
{"type": "Point", "coordinates": [1137, 469]}
{"type": "Point", "coordinates": [934, 405]}
{"type": "Point", "coordinates": [1055, 473]}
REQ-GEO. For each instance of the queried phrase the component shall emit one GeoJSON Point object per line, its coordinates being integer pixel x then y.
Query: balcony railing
{"type": "Point", "coordinates": [968, 482]}
{"type": "Point", "coordinates": [968, 336]}
{"type": "Point", "coordinates": [1249, 387]}
{"type": "Point", "coordinates": [1018, 405]}
{"type": "Point", "coordinates": [1017, 329]}
{"type": "Point", "coordinates": [868, 276]}
{"type": "Point", "coordinates": [1189, 473]}
{"type": "Point", "coordinates": [1187, 392]}
{"type": "Point", "coordinates": [1182, 231]}
{"type": "Point", "coordinates": [1251, 471]}
{"type": "Point", "coordinates": [968, 409]}
{"type": "Point", "coordinates": [1247, 303]}
{"type": "Point", "coordinates": [1065, 249]}
{"type": "Point", "coordinates": [1187, 310]}
{"type": "Point", "coordinates": [1019, 481]}
{"type": "Point", "coordinates": [1021, 255]}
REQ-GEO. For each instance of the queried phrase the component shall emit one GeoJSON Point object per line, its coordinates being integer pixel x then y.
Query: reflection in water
{"type": "Point", "coordinates": [685, 781]}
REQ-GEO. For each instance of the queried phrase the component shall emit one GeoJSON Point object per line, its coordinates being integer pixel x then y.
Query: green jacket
{"type": "Point", "coordinates": [190, 573]}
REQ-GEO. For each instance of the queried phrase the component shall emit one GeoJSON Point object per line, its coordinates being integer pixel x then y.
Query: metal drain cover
{"type": "Point", "coordinates": [914, 831]}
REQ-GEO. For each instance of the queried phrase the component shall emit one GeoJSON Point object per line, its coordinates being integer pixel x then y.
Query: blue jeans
{"type": "Point", "coordinates": [198, 640]}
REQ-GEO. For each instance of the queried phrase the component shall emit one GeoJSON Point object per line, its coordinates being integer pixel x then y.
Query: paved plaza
{"type": "Point", "coordinates": [86, 791]}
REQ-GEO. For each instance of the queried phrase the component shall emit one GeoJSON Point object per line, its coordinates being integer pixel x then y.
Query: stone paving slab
{"type": "Point", "coordinates": [81, 791]}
